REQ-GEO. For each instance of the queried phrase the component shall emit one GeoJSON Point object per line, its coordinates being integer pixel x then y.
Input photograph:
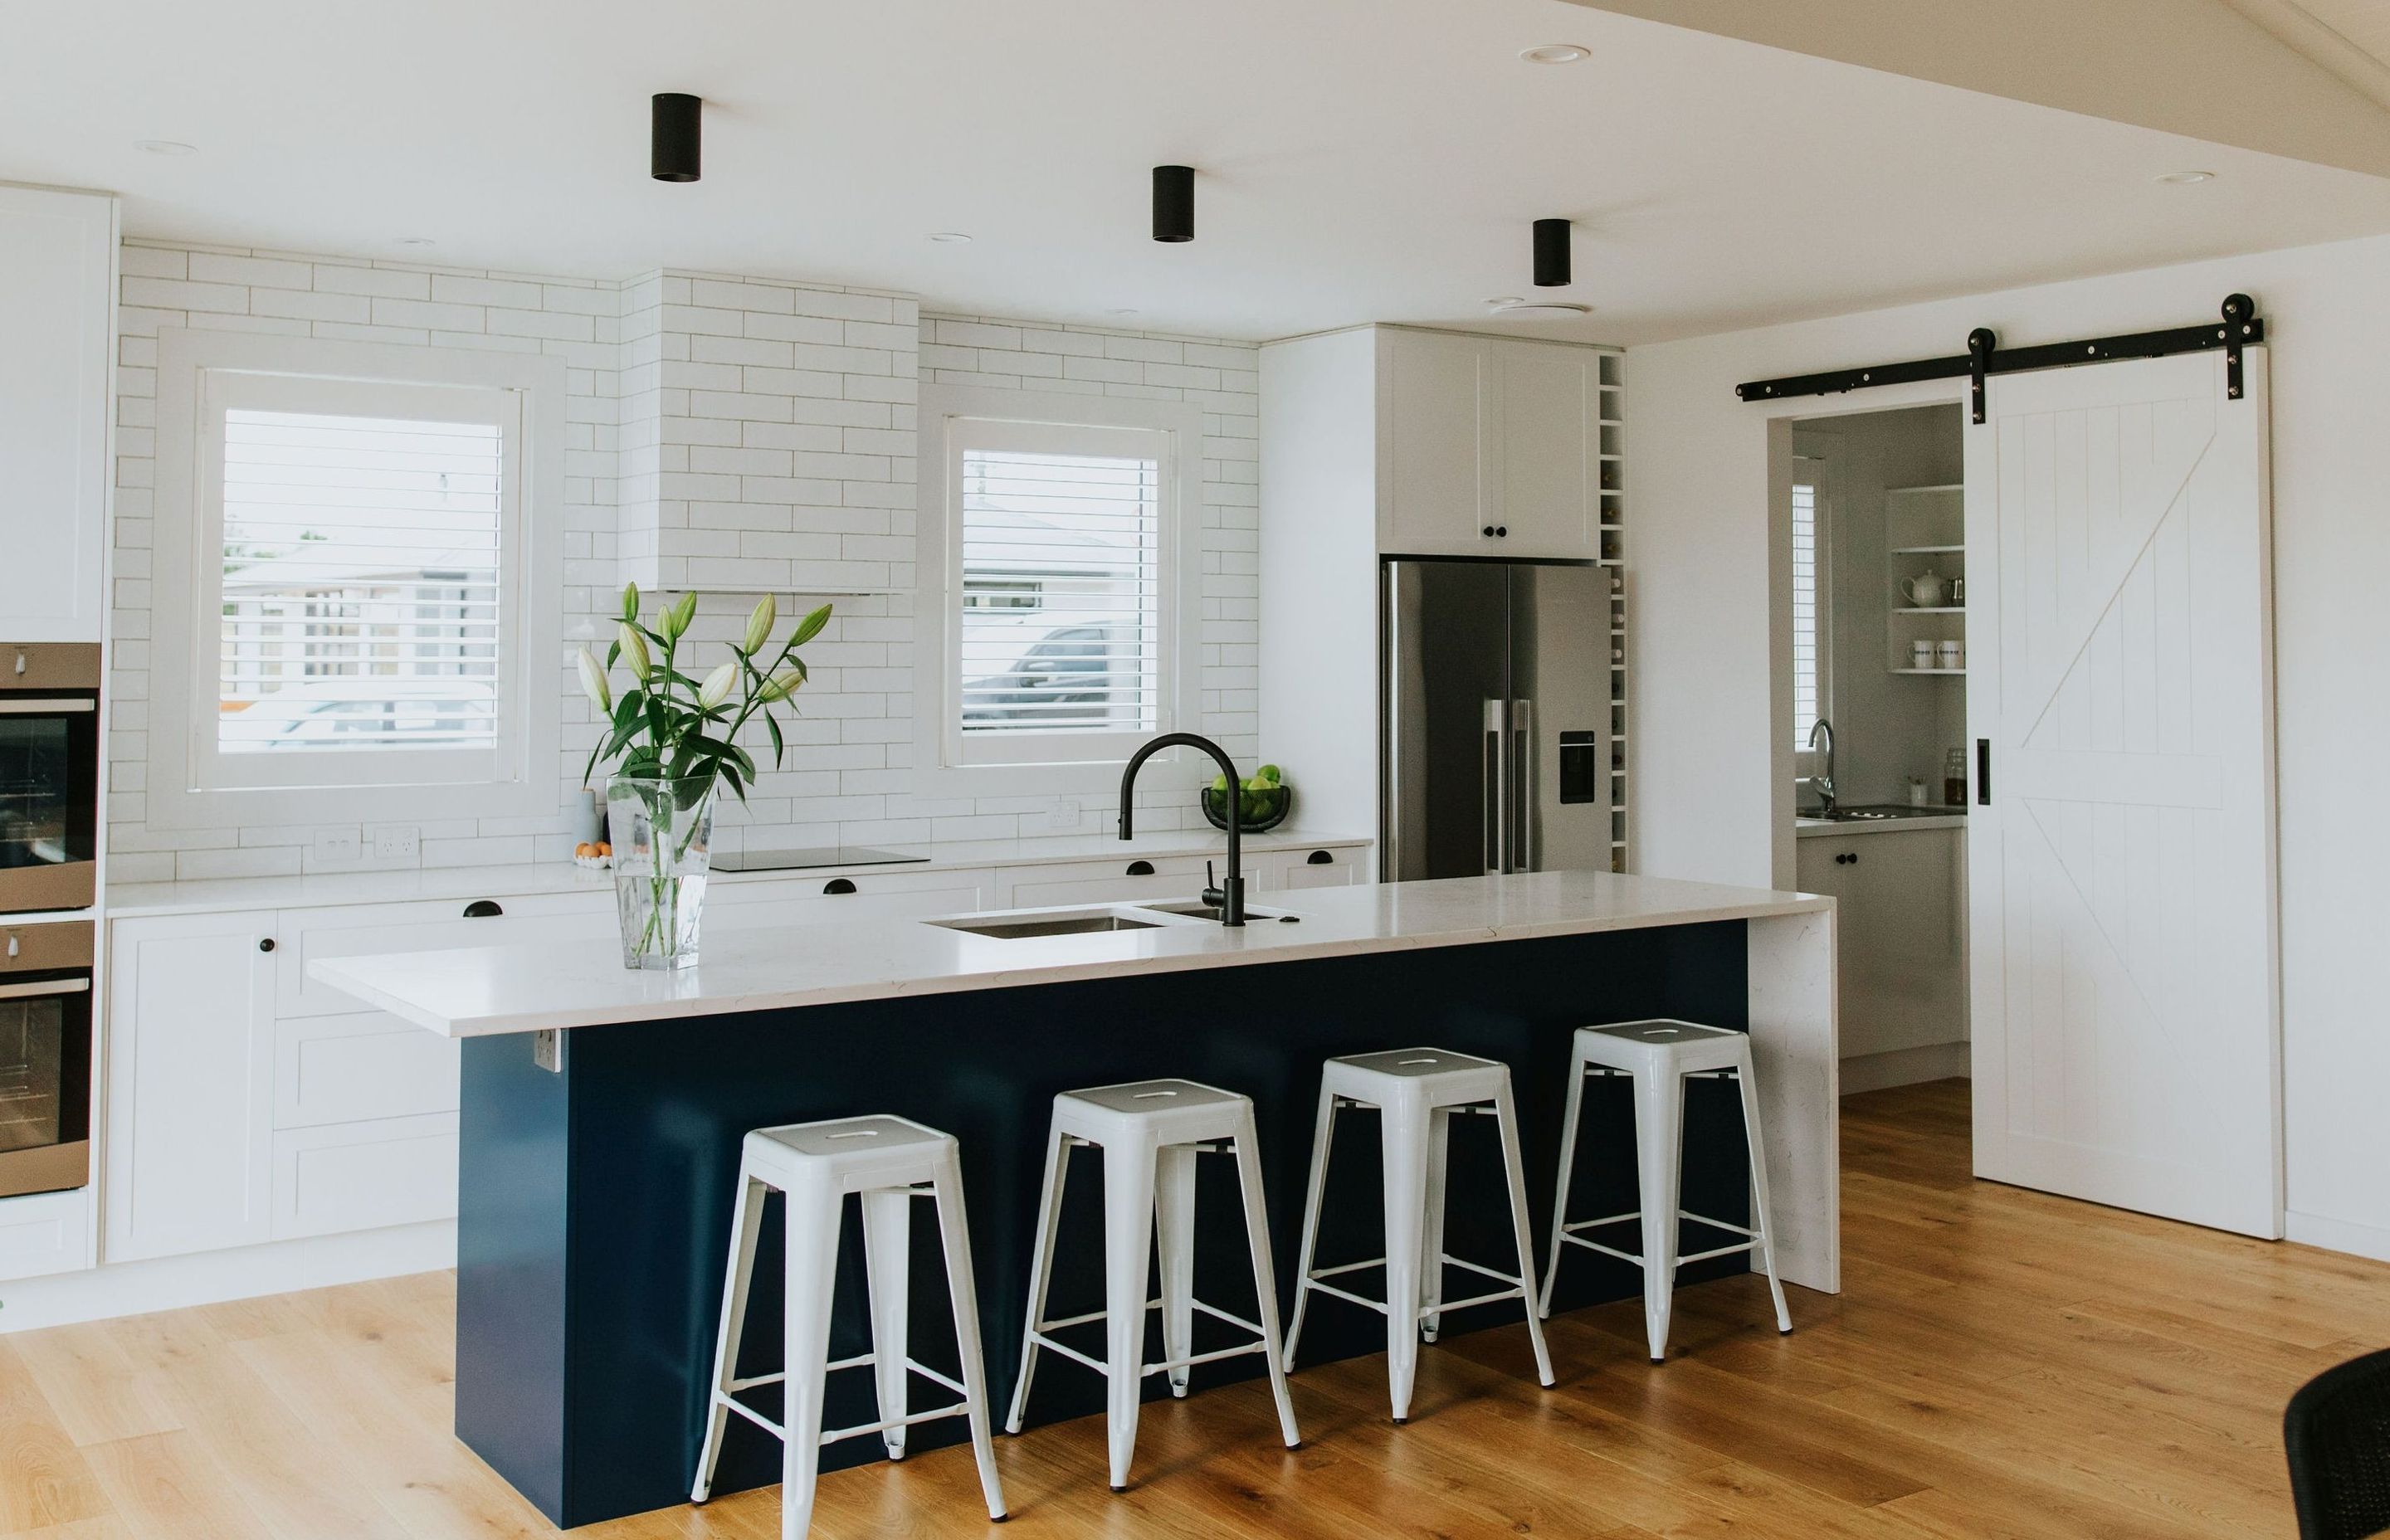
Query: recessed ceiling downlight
{"type": "Point", "coordinates": [1537, 310]}
{"type": "Point", "coordinates": [412, 240]}
{"type": "Point", "coordinates": [1554, 53]}
{"type": "Point", "coordinates": [2184, 178]}
{"type": "Point", "coordinates": [165, 147]}
{"type": "Point", "coordinates": [950, 237]}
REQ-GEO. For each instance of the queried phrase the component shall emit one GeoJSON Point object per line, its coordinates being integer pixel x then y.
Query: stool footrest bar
{"type": "Point", "coordinates": [958, 1409]}
{"type": "Point", "coordinates": [1345, 1294]}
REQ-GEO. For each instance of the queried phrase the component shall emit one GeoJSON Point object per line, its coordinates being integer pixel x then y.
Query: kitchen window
{"type": "Point", "coordinates": [1064, 619]}
{"type": "Point", "coordinates": [360, 581]}
{"type": "Point", "coordinates": [1812, 608]}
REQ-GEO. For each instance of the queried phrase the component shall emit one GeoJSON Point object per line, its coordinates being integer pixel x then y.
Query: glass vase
{"type": "Point", "coordinates": [661, 830]}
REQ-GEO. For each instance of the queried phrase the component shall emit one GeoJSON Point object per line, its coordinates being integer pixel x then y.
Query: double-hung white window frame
{"type": "Point", "coordinates": [203, 374]}
{"type": "Point", "coordinates": [955, 420]}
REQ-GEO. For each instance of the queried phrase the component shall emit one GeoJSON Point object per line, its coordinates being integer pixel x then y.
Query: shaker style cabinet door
{"type": "Point", "coordinates": [190, 1062]}
{"type": "Point", "coordinates": [57, 274]}
{"type": "Point", "coordinates": [1439, 484]}
{"type": "Point", "coordinates": [1550, 451]}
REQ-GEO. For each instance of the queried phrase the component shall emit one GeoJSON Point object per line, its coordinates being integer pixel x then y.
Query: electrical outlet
{"type": "Point", "coordinates": [338, 844]}
{"type": "Point", "coordinates": [395, 843]}
{"type": "Point", "coordinates": [1063, 815]}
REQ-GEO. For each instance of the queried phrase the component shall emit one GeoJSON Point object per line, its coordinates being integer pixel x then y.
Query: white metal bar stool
{"type": "Point", "coordinates": [889, 1161]}
{"type": "Point", "coordinates": [1416, 1091]}
{"type": "Point", "coordinates": [1658, 1056]}
{"type": "Point", "coordinates": [1151, 1133]}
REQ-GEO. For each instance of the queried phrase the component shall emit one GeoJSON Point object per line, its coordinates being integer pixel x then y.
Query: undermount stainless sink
{"type": "Point", "coordinates": [1196, 909]}
{"type": "Point", "coordinates": [1021, 927]}
{"type": "Point", "coordinates": [1885, 813]}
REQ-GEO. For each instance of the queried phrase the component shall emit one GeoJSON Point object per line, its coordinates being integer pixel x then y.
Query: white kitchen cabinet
{"type": "Point", "coordinates": [44, 1232]}
{"type": "Point", "coordinates": [57, 280]}
{"type": "Point", "coordinates": [189, 1064]}
{"type": "Point", "coordinates": [1333, 866]}
{"type": "Point", "coordinates": [852, 896]}
{"type": "Point", "coordinates": [364, 1175]}
{"type": "Point", "coordinates": [1130, 880]}
{"type": "Point", "coordinates": [1439, 402]}
{"type": "Point", "coordinates": [372, 929]}
{"type": "Point", "coordinates": [1488, 446]}
{"type": "Point", "coordinates": [1900, 944]}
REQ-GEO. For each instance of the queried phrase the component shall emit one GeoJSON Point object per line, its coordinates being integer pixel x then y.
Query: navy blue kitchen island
{"type": "Point", "coordinates": [602, 1115]}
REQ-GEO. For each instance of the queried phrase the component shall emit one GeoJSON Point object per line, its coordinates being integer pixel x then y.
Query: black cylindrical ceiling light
{"type": "Point", "coordinates": [1174, 203]}
{"type": "Point", "coordinates": [1552, 253]}
{"type": "Point", "coordinates": [673, 140]}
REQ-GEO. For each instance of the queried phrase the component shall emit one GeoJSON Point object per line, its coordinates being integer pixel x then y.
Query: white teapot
{"type": "Point", "coordinates": [1926, 590]}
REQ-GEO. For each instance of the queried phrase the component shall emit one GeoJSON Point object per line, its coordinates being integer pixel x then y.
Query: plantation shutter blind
{"type": "Point", "coordinates": [1808, 661]}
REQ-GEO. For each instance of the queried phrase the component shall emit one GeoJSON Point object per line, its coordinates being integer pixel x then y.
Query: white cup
{"type": "Point", "coordinates": [1952, 654]}
{"type": "Point", "coordinates": [1921, 654]}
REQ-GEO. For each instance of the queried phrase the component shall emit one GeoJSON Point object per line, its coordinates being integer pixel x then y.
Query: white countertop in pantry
{"type": "Point", "coordinates": [129, 900]}
{"type": "Point", "coordinates": [485, 991]}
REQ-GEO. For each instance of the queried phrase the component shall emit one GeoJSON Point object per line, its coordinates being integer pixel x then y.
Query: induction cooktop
{"type": "Point", "coordinates": [797, 860]}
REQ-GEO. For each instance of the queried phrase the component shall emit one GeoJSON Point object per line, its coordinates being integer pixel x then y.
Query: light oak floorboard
{"type": "Point", "coordinates": [2003, 1364]}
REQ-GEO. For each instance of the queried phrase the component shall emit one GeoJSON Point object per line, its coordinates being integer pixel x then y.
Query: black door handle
{"type": "Point", "coordinates": [482, 908]}
{"type": "Point", "coordinates": [266, 946]}
{"type": "Point", "coordinates": [1140, 868]}
{"type": "Point", "coordinates": [1982, 772]}
{"type": "Point", "coordinates": [839, 885]}
{"type": "Point", "coordinates": [1319, 858]}
{"type": "Point", "coordinates": [1487, 532]}
{"type": "Point", "coordinates": [1501, 532]}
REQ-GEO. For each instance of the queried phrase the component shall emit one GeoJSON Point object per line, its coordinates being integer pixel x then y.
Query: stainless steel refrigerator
{"type": "Point", "coordinates": [1496, 718]}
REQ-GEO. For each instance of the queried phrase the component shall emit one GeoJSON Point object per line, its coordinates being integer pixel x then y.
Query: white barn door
{"type": "Point", "coordinates": [2120, 876]}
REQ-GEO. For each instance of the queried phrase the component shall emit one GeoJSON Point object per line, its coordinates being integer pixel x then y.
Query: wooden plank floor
{"type": "Point", "coordinates": [2002, 1362]}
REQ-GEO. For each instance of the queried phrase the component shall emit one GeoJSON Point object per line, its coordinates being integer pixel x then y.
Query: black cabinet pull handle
{"type": "Point", "coordinates": [1319, 858]}
{"type": "Point", "coordinates": [839, 885]}
{"type": "Point", "coordinates": [266, 946]}
{"type": "Point", "coordinates": [482, 908]}
{"type": "Point", "coordinates": [1982, 772]}
{"type": "Point", "coordinates": [1848, 858]}
{"type": "Point", "coordinates": [1140, 868]}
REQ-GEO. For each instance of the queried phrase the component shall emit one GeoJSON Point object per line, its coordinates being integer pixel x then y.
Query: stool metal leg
{"type": "Point", "coordinates": [745, 1221]}
{"type": "Point", "coordinates": [1404, 1135]}
{"type": "Point", "coordinates": [888, 1268]}
{"type": "Point", "coordinates": [811, 1245]}
{"type": "Point", "coordinates": [1173, 1200]}
{"type": "Point", "coordinates": [1128, 1237]}
{"type": "Point", "coordinates": [1560, 1191]}
{"type": "Point", "coordinates": [1659, 1140]}
{"type": "Point", "coordinates": [1249, 1184]}
{"type": "Point", "coordinates": [955, 1234]}
{"type": "Point", "coordinates": [1506, 1116]}
{"type": "Point", "coordinates": [1760, 1220]}
{"type": "Point", "coordinates": [1439, 1146]}
{"type": "Point", "coordinates": [1041, 1269]}
{"type": "Point", "coordinates": [1323, 1137]}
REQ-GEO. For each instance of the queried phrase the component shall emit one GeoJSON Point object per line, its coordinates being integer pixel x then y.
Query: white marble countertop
{"type": "Point", "coordinates": [486, 991]}
{"type": "Point", "coordinates": [128, 900]}
{"type": "Point", "coordinates": [1804, 828]}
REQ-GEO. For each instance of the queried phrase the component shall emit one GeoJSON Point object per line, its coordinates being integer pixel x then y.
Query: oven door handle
{"type": "Point", "coordinates": [32, 987]}
{"type": "Point", "coordinates": [51, 706]}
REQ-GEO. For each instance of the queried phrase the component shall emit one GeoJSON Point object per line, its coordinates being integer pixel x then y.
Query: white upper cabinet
{"type": "Point", "coordinates": [1551, 449]}
{"type": "Point", "coordinates": [1488, 446]}
{"type": "Point", "coordinates": [58, 277]}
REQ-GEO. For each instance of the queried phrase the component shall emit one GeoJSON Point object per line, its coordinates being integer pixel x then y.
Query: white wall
{"type": "Point", "coordinates": [1707, 773]}
{"type": "Point", "coordinates": [749, 434]}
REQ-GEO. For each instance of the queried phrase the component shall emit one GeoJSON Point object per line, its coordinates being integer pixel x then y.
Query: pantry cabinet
{"type": "Point", "coordinates": [1900, 937]}
{"type": "Point", "coordinates": [58, 281]}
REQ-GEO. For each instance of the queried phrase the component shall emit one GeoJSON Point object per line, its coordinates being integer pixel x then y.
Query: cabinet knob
{"type": "Point", "coordinates": [1489, 532]}
{"type": "Point", "coordinates": [266, 944]}
{"type": "Point", "coordinates": [1140, 868]}
{"type": "Point", "coordinates": [839, 885]}
{"type": "Point", "coordinates": [482, 908]}
{"type": "Point", "coordinates": [1501, 532]}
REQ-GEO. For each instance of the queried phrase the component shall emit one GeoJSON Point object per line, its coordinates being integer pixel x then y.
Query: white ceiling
{"type": "Point", "coordinates": [1361, 159]}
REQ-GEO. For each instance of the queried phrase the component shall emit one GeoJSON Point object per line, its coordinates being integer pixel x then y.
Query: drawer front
{"type": "Point", "coordinates": [1301, 868]}
{"type": "Point", "coordinates": [48, 1232]}
{"type": "Point", "coordinates": [361, 1176]}
{"type": "Point", "coordinates": [370, 930]}
{"type": "Point", "coordinates": [350, 1069]}
{"type": "Point", "coordinates": [781, 904]}
{"type": "Point", "coordinates": [1110, 882]}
